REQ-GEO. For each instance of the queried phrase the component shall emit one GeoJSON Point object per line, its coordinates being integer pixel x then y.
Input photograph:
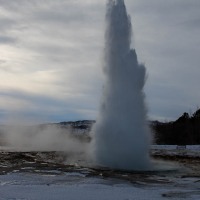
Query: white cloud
{"type": "Point", "coordinates": [54, 49]}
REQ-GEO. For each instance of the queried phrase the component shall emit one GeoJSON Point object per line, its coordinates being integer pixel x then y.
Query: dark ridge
{"type": "Point", "coordinates": [183, 131]}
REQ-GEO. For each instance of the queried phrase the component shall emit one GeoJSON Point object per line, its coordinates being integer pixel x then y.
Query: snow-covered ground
{"type": "Point", "coordinates": [32, 181]}
{"type": "Point", "coordinates": [174, 147]}
{"type": "Point", "coordinates": [24, 186]}
{"type": "Point", "coordinates": [17, 186]}
{"type": "Point", "coordinates": [175, 150]}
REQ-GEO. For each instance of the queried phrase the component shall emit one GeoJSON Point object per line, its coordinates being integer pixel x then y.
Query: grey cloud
{"type": "Point", "coordinates": [164, 100]}
{"type": "Point", "coordinates": [56, 21]}
{"type": "Point", "coordinates": [7, 40]}
{"type": "Point", "coordinates": [165, 14]}
{"type": "Point", "coordinates": [16, 6]}
{"type": "Point", "coordinates": [7, 27]}
{"type": "Point", "coordinates": [6, 68]}
{"type": "Point", "coordinates": [2, 62]}
{"type": "Point", "coordinates": [192, 23]}
{"type": "Point", "coordinates": [49, 107]}
{"type": "Point", "coordinates": [6, 24]}
{"type": "Point", "coordinates": [165, 7]}
{"type": "Point", "coordinates": [67, 35]}
{"type": "Point", "coordinates": [169, 44]}
{"type": "Point", "coordinates": [52, 16]}
{"type": "Point", "coordinates": [3, 115]}
{"type": "Point", "coordinates": [19, 94]}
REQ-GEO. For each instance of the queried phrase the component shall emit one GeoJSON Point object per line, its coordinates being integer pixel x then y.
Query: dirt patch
{"type": "Point", "coordinates": [56, 163]}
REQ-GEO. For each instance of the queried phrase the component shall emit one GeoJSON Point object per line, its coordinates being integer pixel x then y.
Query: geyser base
{"type": "Point", "coordinates": [126, 160]}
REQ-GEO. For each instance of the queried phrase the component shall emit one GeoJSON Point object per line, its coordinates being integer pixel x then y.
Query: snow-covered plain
{"type": "Point", "coordinates": [30, 182]}
{"type": "Point", "coordinates": [175, 150]}
{"type": "Point", "coordinates": [17, 186]}
{"type": "Point", "coordinates": [28, 186]}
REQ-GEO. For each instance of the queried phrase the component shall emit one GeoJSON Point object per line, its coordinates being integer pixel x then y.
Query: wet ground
{"type": "Point", "coordinates": [49, 162]}
{"type": "Point", "coordinates": [179, 179]}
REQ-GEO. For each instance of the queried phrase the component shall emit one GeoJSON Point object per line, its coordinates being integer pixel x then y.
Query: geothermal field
{"type": "Point", "coordinates": [31, 170]}
{"type": "Point", "coordinates": [111, 158]}
{"type": "Point", "coordinates": [53, 175]}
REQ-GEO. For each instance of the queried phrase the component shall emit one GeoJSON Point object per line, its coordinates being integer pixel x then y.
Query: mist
{"type": "Point", "coordinates": [20, 136]}
{"type": "Point", "coordinates": [121, 136]}
{"type": "Point", "coordinates": [46, 138]}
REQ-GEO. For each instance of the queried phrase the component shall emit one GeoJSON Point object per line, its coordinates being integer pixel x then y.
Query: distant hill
{"type": "Point", "coordinates": [83, 124]}
{"type": "Point", "coordinates": [183, 131]}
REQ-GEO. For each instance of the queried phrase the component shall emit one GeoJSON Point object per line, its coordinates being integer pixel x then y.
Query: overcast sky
{"type": "Point", "coordinates": [51, 57]}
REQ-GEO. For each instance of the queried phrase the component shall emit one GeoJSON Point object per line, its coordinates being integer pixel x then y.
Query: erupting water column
{"type": "Point", "coordinates": [121, 133]}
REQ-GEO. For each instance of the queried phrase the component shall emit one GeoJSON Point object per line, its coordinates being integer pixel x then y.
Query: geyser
{"type": "Point", "coordinates": [121, 135]}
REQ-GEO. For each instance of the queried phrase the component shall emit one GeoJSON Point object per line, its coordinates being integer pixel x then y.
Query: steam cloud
{"type": "Point", "coordinates": [23, 136]}
{"type": "Point", "coordinates": [47, 138]}
{"type": "Point", "coordinates": [121, 134]}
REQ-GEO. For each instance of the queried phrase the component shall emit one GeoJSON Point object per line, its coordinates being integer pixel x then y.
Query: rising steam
{"type": "Point", "coordinates": [42, 138]}
{"type": "Point", "coordinates": [121, 133]}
